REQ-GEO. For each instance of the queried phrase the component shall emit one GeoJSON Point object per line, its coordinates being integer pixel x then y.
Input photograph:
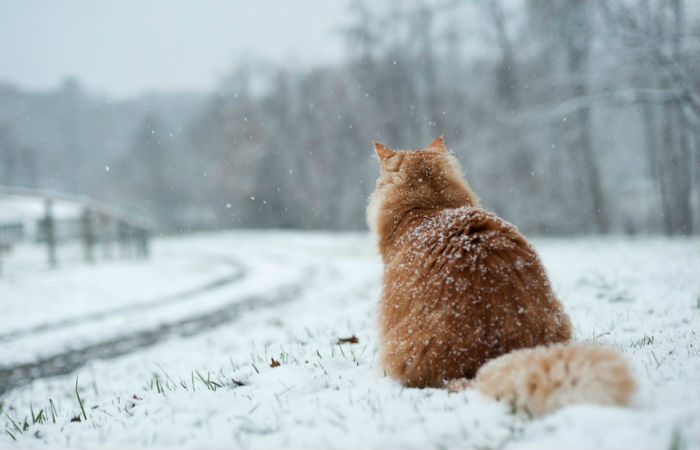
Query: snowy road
{"type": "Point", "coordinates": [232, 340]}
{"type": "Point", "coordinates": [69, 360]}
{"type": "Point", "coordinates": [57, 347]}
{"type": "Point", "coordinates": [128, 307]}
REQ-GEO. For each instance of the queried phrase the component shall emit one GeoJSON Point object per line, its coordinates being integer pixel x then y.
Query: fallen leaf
{"type": "Point", "coordinates": [274, 362]}
{"type": "Point", "coordinates": [348, 340]}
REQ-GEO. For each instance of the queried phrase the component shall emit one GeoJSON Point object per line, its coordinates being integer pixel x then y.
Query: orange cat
{"type": "Point", "coordinates": [462, 287]}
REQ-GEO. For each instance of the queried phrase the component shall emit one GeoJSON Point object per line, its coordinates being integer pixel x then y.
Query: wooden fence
{"type": "Point", "coordinates": [115, 231]}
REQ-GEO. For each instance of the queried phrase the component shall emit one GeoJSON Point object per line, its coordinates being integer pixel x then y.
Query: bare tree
{"type": "Point", "coordinates": [667, 93]}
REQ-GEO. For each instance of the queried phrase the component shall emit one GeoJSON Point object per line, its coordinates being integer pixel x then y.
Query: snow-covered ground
{"type": "Point", "coordinates": [177, 351]}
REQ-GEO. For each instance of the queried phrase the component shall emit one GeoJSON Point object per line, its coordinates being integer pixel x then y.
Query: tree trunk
{"type": "Point", "coordinates": [578, 50]}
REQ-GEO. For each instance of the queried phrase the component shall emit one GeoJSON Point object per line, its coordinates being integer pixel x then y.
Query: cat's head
{"type": "Point", "coordinates": [418, 179]}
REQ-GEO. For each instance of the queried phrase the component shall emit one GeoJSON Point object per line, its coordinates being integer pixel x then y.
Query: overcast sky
{"type": "Point", "coordinates": [124, 48]}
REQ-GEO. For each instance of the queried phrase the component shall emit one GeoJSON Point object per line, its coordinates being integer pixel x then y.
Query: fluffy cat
{"type": "Point", "coordinates": [463, 292]}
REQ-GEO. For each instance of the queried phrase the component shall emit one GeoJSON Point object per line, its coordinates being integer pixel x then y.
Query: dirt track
{"type": "Point", "coordinates": [62, 363]}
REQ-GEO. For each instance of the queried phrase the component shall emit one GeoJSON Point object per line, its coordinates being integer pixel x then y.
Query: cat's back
{"type": "Point", "coordinates": [466, 258]}
{"type": "Point", "coordinates": [463, 238]}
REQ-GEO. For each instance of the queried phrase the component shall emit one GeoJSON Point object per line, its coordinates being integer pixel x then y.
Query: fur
{"type": "Point", "coordinates": [461, 286]}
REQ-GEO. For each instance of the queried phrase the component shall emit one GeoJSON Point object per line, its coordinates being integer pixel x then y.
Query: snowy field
{"type": "Point", "coordinates": [234, 340]}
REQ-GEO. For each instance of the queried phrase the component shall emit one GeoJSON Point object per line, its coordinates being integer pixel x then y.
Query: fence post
{"type": "Point", "coordinates": [106, 234]}
{"type": "Point", "coordinates": [142, 240]}
{"type": "Point", "coordinates": [123, 238]}
{"type": "Point", "coordinates": [88, 236]}
{"type": "Point", "coordinates": [50, 232]}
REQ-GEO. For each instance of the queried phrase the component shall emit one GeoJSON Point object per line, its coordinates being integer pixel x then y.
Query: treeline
{"type": "Point", "coordinates": [569, 117]}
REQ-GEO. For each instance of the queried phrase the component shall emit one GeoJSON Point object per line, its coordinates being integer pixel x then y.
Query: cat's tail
{"type": "Point", "coordinates": [543, 379]}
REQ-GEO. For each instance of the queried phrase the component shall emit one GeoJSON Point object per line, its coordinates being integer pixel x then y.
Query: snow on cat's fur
{"type": "Point", "coordinates": [462, 287]}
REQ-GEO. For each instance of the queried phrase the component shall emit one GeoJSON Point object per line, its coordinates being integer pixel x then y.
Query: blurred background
{"type": "Point", "coordinates": [159, 157]}
{"type": "Point", "coordinates": [569, 117]}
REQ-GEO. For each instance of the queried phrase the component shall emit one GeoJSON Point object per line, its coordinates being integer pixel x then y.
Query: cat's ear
{"type": "Point", "coordinates": [437, 143]}
{"type": "Point", "coordinates": [383, 151]}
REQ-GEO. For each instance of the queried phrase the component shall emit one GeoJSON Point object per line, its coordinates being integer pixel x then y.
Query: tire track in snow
{"type": "Point", "coordinates": [238, 273]}
{"type": "Point", "coordinates": [66, 362]}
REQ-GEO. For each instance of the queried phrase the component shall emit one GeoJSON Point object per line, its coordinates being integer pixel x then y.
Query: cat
{"type": "Point", "coordinates": [465, 299]}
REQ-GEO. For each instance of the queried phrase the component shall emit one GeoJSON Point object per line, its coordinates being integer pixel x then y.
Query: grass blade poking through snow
{"type": "Point", "coordinates": [80, 400]}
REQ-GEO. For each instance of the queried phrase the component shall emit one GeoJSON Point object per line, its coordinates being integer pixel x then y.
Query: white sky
{"type": "Point", "coordinates": [124, 48]}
